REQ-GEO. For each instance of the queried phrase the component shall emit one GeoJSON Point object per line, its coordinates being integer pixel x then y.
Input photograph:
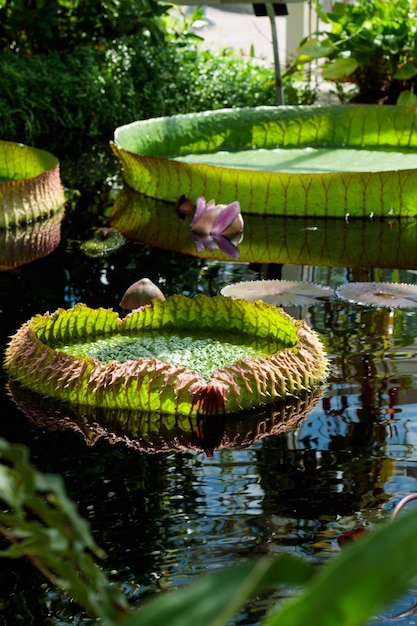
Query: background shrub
{"type": "Point", "coordinates": [61, 97]}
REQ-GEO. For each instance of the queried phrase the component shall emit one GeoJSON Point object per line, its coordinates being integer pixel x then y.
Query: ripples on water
{"type": "Point", "coordinates": [164, 519]}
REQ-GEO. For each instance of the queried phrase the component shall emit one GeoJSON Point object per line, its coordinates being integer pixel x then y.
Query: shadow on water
{"type": "Point", "coordinates": [236, 488]}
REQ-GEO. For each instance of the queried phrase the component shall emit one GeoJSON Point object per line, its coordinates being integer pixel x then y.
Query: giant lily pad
{"type": "Point", "coordinates": [395, 295]}
{"type": "Point", "coordinates": [30, 184]}
{"type": "Point", "coordinates": [179, 356]}
{"type": "Point", "coordinates": [329, 161]}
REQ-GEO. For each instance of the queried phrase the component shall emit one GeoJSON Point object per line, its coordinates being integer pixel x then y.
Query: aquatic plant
{"type": "Point", "coordinates": [152, 433]}
{"type": "Point", "coordinates": [308, 241]}
{"type": "Point", "coordinates": [141, 292]}
{"type": "Point", "coordinates": [278, 292]}
{"type": "Point", "coordinates": [180, 356]}
{"type": "Point", "coordinates": [104, 242]}
{"type": "Point", "coordinates": [217, 226]}
{"type": "Point", "coordinates": [24, 243]}
{"type": "Point", "coordinates": [30, 184]}
{"type": "Point", "coordinates": [324, 161]}
{"type": "Point", "coordinates": [382, 294]}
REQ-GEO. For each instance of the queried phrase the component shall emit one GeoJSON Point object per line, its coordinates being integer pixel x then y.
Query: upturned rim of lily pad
{"type": "Point", "coordinates": [151, 153]}
{"type": "Point", "coordinates": [379, 294]}
{"type": "Point", "coordinates": [32, 188]}
{"type": "Point", "coordinates": [278, 292]}
{"type": "Point", "coordinates": [36, 357]}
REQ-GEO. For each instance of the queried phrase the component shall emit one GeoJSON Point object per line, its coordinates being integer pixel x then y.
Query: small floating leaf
{"type": "Point", "coordinates": [393, 295]}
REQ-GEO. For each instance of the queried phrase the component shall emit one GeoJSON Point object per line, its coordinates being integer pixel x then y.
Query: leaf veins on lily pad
{"type": "Point", "coordinates": [278, 292]}
{"type": "Point", "coordinates": [392, 295]}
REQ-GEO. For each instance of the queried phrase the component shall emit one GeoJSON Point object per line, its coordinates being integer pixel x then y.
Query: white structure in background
{"type": "Point", "coordinates": [297, 23]}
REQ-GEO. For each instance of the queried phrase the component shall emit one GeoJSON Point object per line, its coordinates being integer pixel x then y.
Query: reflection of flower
{"type": "Point", "coordinates": [217, 226]}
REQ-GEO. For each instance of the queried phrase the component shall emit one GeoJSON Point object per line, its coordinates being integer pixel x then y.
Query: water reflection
{"type": "Point", "coordinates": [382, 243]}
{"type": "Point", "coordinates": [165, 518]}
{"type": "Point", "coordinates": [157, 433]}
{"type": "Point", "coordinates": [24, 243]}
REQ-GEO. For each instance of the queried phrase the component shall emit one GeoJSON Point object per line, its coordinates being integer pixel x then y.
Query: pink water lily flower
{"type": "Point", "coordinates": [217, 219]}
{"type": "Point", "coordinates": [217, 226]}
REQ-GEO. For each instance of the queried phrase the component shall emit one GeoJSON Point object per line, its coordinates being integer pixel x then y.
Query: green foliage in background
{"type": "Point", "coordinates": [42, 524]}
{"type": "Point", "coordinates": [89, 91]}
{"type": "Point", "coordinates": [34, 26]}
{"type": "Point", "coordinates": [81, 89]}
{"type": "Point", "coordinates": [371, 43]}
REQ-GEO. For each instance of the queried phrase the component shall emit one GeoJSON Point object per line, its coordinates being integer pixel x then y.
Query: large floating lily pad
{"type": "Point", "coordinates": [30, 184]}
{"type": "Point", "coordinates": [330, 161]}
{"type": "Point", "coordinates": [179, 356]}
{"type": "Point", "coordinates": [278, 292]}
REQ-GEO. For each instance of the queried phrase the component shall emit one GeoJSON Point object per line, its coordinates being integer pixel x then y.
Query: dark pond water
{"type": "Point", "coordinates": [165, 517]}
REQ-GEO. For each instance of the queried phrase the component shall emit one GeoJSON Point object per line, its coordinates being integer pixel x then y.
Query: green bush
{"type": "Point", "coordinates": [58, 98]}
{"type": "Point", "coordinates": [42, 25]}
{"type": "Point", "coordinates": [371, 43]}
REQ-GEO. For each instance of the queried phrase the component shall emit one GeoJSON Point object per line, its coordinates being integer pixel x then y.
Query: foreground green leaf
{"type": "Point", "coordinates": [216, 598]}
{"type": "Point", "coordinates": [355, 585]}
{"type": "Point", "coordinates": [43, 525]}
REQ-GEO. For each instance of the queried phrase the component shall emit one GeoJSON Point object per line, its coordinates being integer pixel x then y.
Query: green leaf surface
{"type": "Point", "coordinates": [407, 98]}
{"type": "Point", "coordinates": [315, 49]}
{"type": "Point", "coordinates": [43, 525]}
{"type": "Point", "coordinates": [406, 71]}
{"type": "Point", "coordinates": [339, 69]}
{"type": "Point", "coordinates": [355, 585]}
{"type": "Point", "coordinates": [285, 358]}
{"type": "Point", "coordinates": [149, 149]}
{"type": "Point", "coordinates": [216, 598]}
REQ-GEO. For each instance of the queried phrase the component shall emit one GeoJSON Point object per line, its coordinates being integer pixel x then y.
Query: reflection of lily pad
{"type": "Point", "coordinates": [24, 243]}
{"type": "Point", "coordinates": [249, 354]}
{"type": "Point", "coordinates": [30, 185]}
{"type": "Point", "coordinates": [393, 295]}
{"type": "Point", "coordinates": [155, 433]}
{"type": "Point", "coordinates": [290, 240]}
{"type": "Point", "coordinates": [371, 154]}
{"type": "Point", "coordinates": [279, 292]}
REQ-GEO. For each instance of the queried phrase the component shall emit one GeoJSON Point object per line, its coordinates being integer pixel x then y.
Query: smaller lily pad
{"type": "Point", "coordinates": [30, 184]}
{"type": "Point", "coordinates": [105, 241]}
{"type": "Point", "coordinates": [256, 355]}
{"type": "Point", "coordinates": [379, 294]}
{"type": "Point", "coordinates": [278, 292]}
